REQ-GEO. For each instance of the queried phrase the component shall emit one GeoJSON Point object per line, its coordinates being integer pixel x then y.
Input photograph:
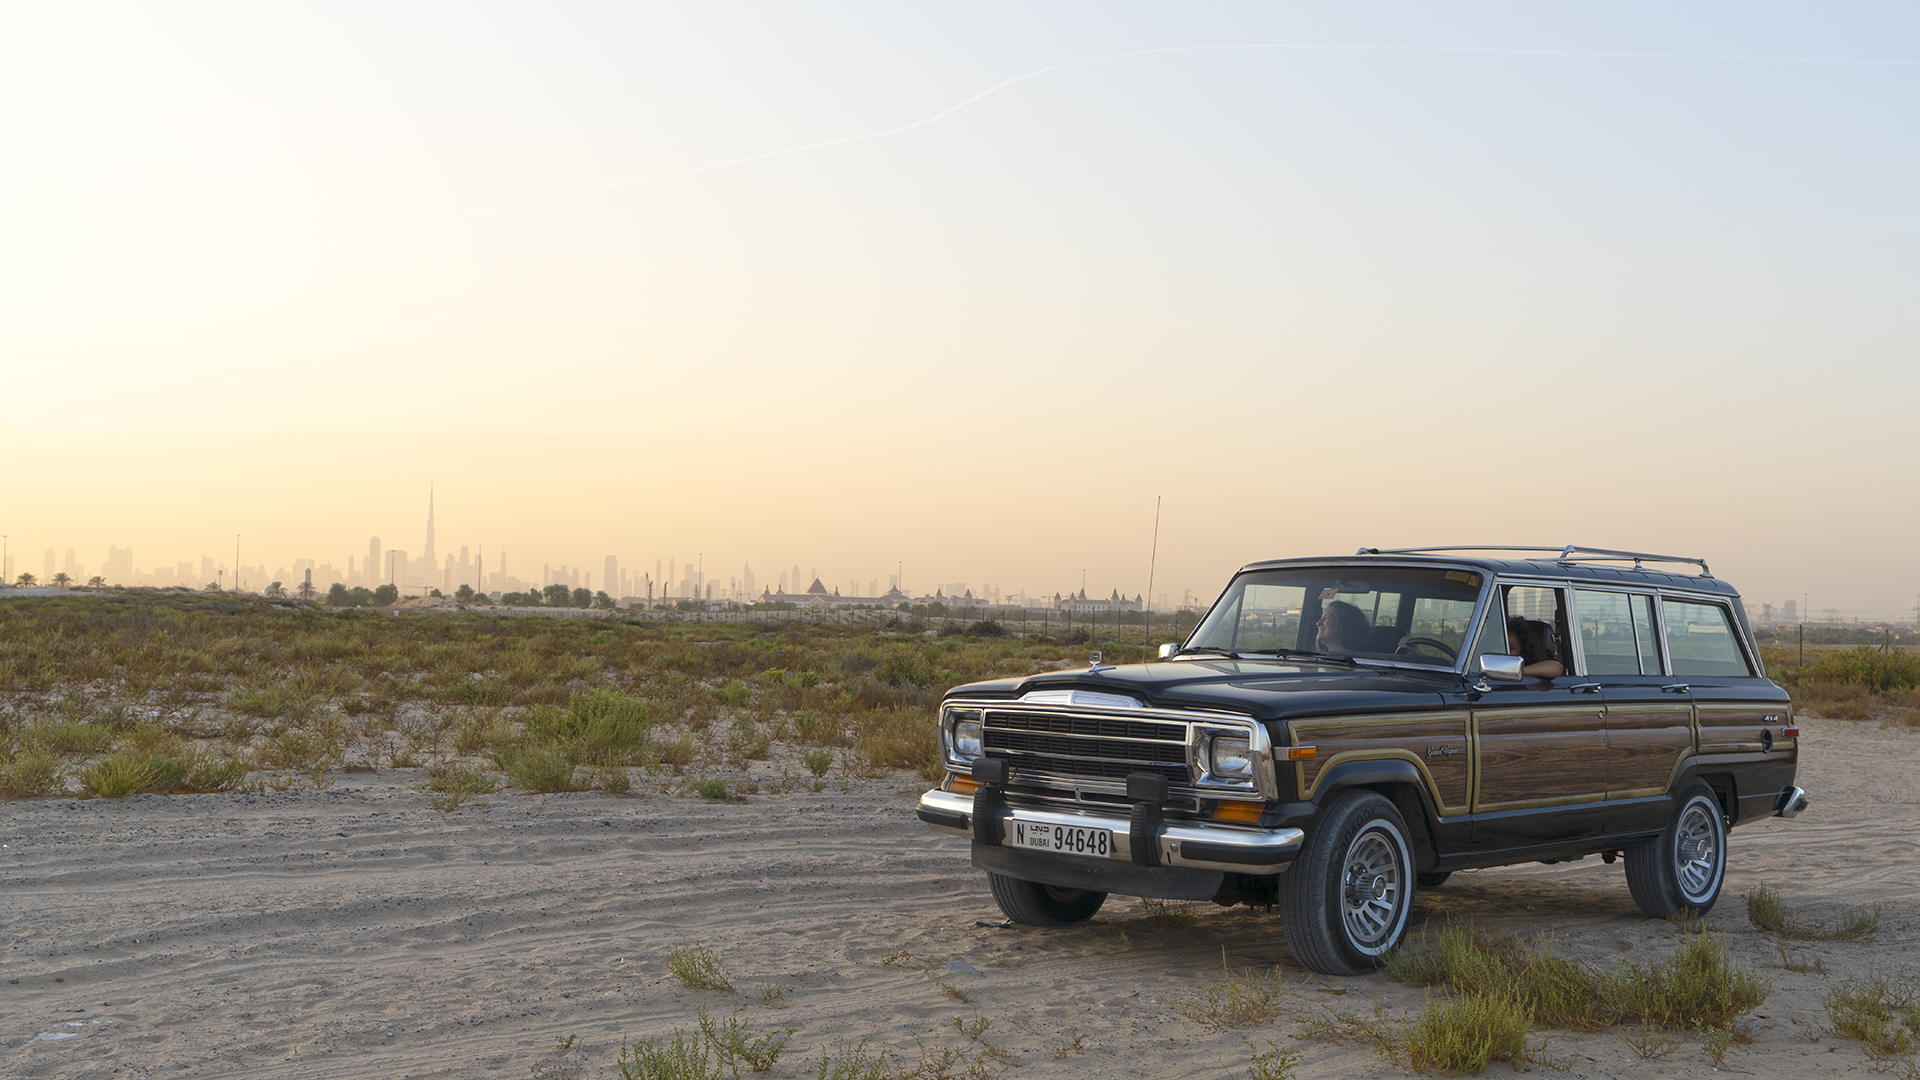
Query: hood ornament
{"type": "Point", "coordinates": [1094, 666]}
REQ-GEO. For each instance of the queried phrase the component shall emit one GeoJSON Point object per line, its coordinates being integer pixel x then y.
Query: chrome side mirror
{"type": "Point", "coordinates": [1502, 668]}
{"type": "Point", "coordinates": [1168, 649]}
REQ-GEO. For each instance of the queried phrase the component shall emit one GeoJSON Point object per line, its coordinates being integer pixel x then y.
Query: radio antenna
{"type": "Point", "coordinates": [1152, 559]}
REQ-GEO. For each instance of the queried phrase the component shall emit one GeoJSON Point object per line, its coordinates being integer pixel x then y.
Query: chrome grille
{"type": "Point", "coordinates": [1087, 745]}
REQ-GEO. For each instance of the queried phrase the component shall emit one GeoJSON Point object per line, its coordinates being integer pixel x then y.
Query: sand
{"type": "Point", "coordinates": [352, 932]}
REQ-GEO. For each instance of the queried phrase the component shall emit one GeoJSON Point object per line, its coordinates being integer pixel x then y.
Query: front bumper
{"type": "Point", "coordinates": [1196, 845]}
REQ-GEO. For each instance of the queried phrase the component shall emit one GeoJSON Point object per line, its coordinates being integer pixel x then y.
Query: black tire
{"type": "Point", "coordinates": [1680, 871]}
{"type": "Point", "coordinates": [1030, 903]}
{"type": "Point", "coordinates": [1348, 897]}
{"type": "Point", "coordinates": [1432, 879]}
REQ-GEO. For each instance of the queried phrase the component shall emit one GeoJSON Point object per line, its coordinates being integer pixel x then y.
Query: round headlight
{"type": "Point", "coordinates": [1228, 758]}
{"type": "Point", "coordinates": [967, 736]}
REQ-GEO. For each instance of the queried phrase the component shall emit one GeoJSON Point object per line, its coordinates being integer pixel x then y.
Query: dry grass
{"type": "Point", "coordinates": [698, 968]}
{"type": "Point", "coordinates": [1883, 1013]}
{"type": "Point", "coordinates": [553, 705]}
{"type": "Point", "coordinates": [1698, 984]}
{"type": "Point", "coordinates": [1239, 999]}
{"type": "Point", "coordinates": [1167, 914]}
{"type": "Point", "coordinates": [1766, 911]}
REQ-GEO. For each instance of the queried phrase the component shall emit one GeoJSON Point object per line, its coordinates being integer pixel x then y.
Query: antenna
{"type": "Point", "coordinates": [1147, 638]}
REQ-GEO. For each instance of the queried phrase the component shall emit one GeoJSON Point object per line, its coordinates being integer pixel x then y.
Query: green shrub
{"type": "Point", "coordinates": [68, 738]}
{"type": "Point", "coordinates": [1464, 1034]}
{"type": "Point", "coordinates": [698, 968]}
{"type": "Point", "coordinates": [1882, 1012]}
{"type": "Point", "coordinates": [711, 787]}
{"type": "Point", "coordinates": [817, 761]}
{"type": "Point", "coordinates": [117, 777]}
{"type": "Point", "coordinates": [30, 772]}
{"type": "Point", "coordinates": [1866, 666]}
{"type": "Point", "coordinates": [734, 693]}
{"type": "Point", "coordinates": [539, 769]}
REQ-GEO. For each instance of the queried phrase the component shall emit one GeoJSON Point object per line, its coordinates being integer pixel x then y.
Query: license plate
{"type": "Point", "coordinates": [1064, 838]}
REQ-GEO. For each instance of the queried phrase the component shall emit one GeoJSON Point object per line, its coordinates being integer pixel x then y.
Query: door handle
{"type": "Point", "coordinates": [1676, 688]}
{"type": "Point", "coordinates": [1585, 688]}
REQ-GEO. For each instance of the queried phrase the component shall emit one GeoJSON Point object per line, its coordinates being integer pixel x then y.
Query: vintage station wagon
{"type": "Point", "coordinates": [1338, 732]}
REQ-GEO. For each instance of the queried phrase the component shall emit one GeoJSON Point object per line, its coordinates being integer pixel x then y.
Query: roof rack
{"type": "Point", "coordinates": [1572, 553]}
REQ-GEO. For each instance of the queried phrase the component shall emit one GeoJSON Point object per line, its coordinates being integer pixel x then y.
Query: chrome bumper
{"type": "Point", "coordinates": [1196, 844]}
{"type": "Point", "coordinates": [1792, 800]}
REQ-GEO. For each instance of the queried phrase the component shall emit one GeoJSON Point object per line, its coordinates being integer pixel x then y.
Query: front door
{"type": "Point", "coordinates": [1540, 745]}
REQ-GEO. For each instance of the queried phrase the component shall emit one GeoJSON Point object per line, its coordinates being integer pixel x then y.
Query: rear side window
{"type": "Point", "coordinates": [1700, 639]}
{"type": "Point", "coordinates": [1607, 633]}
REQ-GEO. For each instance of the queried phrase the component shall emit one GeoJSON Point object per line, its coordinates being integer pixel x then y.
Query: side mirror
{"type": "Point", "coordinates": [1168, 649]}
{"type": "Point", "coordinates": [1502, 668]}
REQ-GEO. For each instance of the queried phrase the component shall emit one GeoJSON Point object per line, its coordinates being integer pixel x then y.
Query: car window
{"type": "Point", "coordinates": [1643, 631]}
{"type": "Point", "coordinates": [1544, 605]}
{"type": "Point", "coordinates": [1443, 620]}
{"type": "Point", "coordinates": [1269, 616]}
{"type": "Point", "coordinates": [1607, 633]}
{"type": "Point", "coordinates": [1492, 639]}
{"type": "Point", "coordinates": [1700, 639]}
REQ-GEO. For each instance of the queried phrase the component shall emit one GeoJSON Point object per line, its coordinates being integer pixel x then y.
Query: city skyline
{"type": "Point", "coordinates": [670, 579]}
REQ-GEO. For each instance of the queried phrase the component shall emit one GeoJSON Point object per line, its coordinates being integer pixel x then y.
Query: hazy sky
{"type": "Point", "coordinates": [1636, 275]}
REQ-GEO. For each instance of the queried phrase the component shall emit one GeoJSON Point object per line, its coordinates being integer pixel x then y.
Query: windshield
{"type": "Point", "coordinates": [1416, 615]}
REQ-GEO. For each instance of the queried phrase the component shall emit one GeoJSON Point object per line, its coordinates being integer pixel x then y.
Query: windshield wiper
{"type": "Point", "coordinates": [1302, 654]}
{"type": "Point", "coordinates": [1228, 653]}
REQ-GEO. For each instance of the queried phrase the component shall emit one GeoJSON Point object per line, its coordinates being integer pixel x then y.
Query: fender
{"type": "Point", "coordinates": [1373, 771]}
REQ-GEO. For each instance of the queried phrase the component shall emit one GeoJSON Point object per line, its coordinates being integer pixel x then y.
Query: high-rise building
{"type": "Point", "coordinates": [119, 568]}
{"type": "Point", "coordinates": [1790, 611]}
{"type": "Point", "coordinates": [610, 577]}
{"type": "Point", "coordinates": [427, 554]}
{"type": "Point", "coordinates": [375, 570]}
{"type": "Point", "coordinates": [747, 583]}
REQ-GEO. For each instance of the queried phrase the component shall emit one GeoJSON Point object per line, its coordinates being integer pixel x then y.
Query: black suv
{"type": "Point", "coordinates": [1338, 732]}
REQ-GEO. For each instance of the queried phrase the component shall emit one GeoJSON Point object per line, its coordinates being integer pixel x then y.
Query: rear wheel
{"type": "Point", "coordinates": [1030, 903]}
{"type": "Point", "coordinates": [1347, 898]}
{"type": "Point", "coordinates": [1681, 870]}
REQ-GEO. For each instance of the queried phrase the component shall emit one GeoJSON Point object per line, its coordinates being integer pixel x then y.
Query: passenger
{"type": "Point", "coordinates": [1342, 628]}
{"type": "Point", "coordinates": [1532, 642]}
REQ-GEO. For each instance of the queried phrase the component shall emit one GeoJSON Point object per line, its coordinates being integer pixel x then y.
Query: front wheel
{"type": "Point", "coordinates": [1030, 903]}
{"type": "Point", "coordinates": [1680, 871]}
{"type": "Point", "coordinates": [1348, 897]}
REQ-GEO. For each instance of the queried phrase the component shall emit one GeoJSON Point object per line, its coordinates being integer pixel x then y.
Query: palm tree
{"type": "Point", "coordinates": [96, 582]}
{"type": "Point", "coordinates": [276, 590]}
{"type": "Point", "coordinates": [25, 579]}
{"type": "Point", "coordinates": [63, 579]}
{"type": "Point", "coordinates": [306, 590]}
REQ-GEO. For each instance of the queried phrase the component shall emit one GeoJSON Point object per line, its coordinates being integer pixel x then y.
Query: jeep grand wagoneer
{"type": "Point", "coordinates": [1338, 732]}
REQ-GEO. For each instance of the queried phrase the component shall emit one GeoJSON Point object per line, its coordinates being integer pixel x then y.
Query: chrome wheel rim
{"type": "Point", "coordinates": [1696, 852]}
{"type": "Point", "coordinates": [1373, 889]}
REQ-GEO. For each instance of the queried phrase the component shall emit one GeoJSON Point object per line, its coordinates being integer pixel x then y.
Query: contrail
{"type": "Point", "coordinates": [1071, 64]}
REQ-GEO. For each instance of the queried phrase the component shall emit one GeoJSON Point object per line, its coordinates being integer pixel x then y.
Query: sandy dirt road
{"type": "Point", "coordinates": [354, 933]}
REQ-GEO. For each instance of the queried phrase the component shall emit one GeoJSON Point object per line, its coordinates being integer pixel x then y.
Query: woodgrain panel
{"type": "Point", "coordinates": [1645, 743]}
{"type": "Point", "coordinates": [1539, 757]}
{"type": "Point", "coordinates": [1437, 744]}
{"type": "Point", "coordinates": [1722, 724]}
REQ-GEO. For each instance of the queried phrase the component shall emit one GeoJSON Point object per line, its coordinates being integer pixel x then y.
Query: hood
{"type": "Point", "coordinates": [1271, 690]}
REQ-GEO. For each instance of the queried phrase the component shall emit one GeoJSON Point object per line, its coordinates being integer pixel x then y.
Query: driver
{"type": "Point", "coordinates": [1342, 628]}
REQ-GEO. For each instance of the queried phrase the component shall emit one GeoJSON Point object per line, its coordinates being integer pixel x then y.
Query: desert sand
{"type": "Point", "coordinates": [354, 933]}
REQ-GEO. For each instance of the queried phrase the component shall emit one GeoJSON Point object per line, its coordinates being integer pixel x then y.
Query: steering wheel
{"type": "Point", "coordinates": [1451, 653]}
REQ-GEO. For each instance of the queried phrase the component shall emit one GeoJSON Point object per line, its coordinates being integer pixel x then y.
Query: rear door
{"type": "Point", "coordinates": [1649, 720]}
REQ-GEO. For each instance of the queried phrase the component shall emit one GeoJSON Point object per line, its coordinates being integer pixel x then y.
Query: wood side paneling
{"type": "Point", "coordinates": [1645, 743]}
{"type": "Point", "coordinates": [1538, 757]}
{"type": "Point", "coordinates": [1437, 744]}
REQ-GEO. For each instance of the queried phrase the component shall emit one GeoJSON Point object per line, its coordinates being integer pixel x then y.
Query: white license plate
{"type": "Point", "coordinates": [1065, 838]}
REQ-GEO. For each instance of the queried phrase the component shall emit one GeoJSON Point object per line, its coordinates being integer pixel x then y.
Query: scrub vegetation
{"type": "Point", "coordinates": [141, 691]}
{"type": "Point", "coordinates": [1860, 682]}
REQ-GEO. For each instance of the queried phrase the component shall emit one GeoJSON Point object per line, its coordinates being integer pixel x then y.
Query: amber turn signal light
{"type": "Point", "coordinates": [963, 785]}
{"type": "Point", "coordinates": [1248, 812]}
{"type": "Point", "coordinates": [1302, 753]}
